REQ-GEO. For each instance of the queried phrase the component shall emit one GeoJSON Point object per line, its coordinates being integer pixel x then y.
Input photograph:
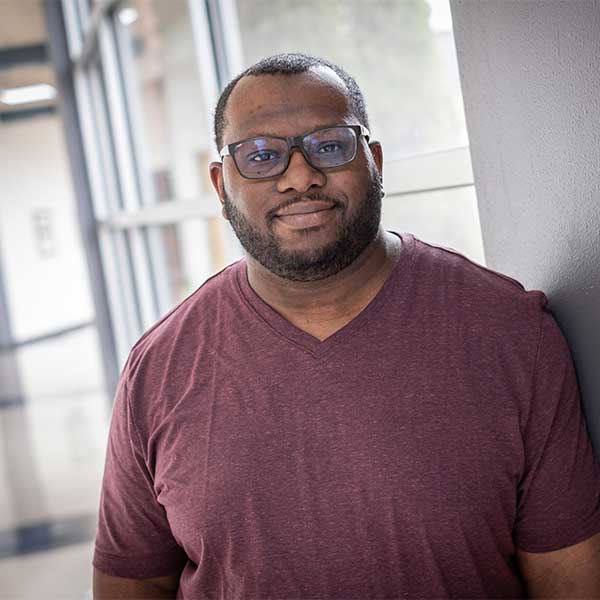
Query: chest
{"type": "Point", "coordinates": [310, 448]}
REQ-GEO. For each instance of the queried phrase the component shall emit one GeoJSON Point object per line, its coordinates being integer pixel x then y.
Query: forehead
{"type": "Point", "coordinates": [286, 105]}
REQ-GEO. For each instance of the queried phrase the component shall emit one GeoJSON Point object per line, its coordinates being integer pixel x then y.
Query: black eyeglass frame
{"type": "Point", "coordinates": [295, 142]}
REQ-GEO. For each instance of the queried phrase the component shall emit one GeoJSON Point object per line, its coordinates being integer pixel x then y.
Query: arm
{"type": "Point", "coordinates": [572, 572]}
{"type": "Point", "coordinates": [107, 587]}
{"type": "Point", "coordinates": [135, 549]}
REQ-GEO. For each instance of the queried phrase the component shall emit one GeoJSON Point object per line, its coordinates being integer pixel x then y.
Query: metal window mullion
{"type": "Point", "coordinates": [63, 29]}
{"type": "Point", "coordinates": [161, 272]}
{"type": "Point", "coordinates": [214, 16]}
{"type": "Point", "coordinates": [132, 101]}
{"type": "Point", "coordinates": [73, 28]}
{"type": "Point", "coordinates": [126, 284]}
{"type": "Point", "coordinates": [118, 118]}
{"type": "Point", "coordinates": [154, 250]}
{"type": "Point", "coordinates": [435, 170]}
{"type": "Point", "coordinates": [205, 60]}
{"type": "Point", "coordinates": [140, 259]}
{"type": "Point", "coordinates": [208, 70]}
{"type": "Point", "coordinates": [91, 143]}
{"type": "Point", "coordinates": [166, 213]}
{"type": "Point", "coordinates": [100, 160]}
{"type": "Point", "coordinates": [93, 22]}
{"type": "Point", "coordinates": [158, 268]}
{"type": "Point", "coordinates": [98, 152]}
{"type": "Point", "coordinates": [122, 311]}
{"type": "Point", "coordinates": [109, 204]}
{"type": "Point", "coordinates": [230, 26]}
{"type": "Point", "coordinates": [103, 187]}
{"type": "Point", "coordinates": [126, 167]}
{"type": "Point", "coordinates": [84, 13]}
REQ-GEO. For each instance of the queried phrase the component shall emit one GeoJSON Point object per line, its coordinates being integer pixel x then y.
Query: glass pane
{"type": "Point", "coordinates": [54, 409]}
{"type": "Point", "coordinates": [104, 173]}
{"type": "Point", "coordinates": [401, 53]}
{"type": "Point", "coordinates": [52, 452]}
{"type": "Point", "coordinates": [186, 267]}
{"type": "Point", "coordinates": [167, 103]}
{"type": "Point", "coordinates": [43, 264]}
{"type": "Point", "coordinates": [446, 218]}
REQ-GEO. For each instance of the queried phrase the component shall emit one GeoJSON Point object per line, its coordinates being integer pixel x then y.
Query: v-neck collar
{"type": "Point", "coordinates": [307, 342]}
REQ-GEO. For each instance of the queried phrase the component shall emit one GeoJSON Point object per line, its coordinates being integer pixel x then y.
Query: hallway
{"type": "Point", "coordinates": [53, 428]}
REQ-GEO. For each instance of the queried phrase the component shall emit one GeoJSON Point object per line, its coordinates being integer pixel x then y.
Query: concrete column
{"type": "Point", "coordinates": [531, 89]}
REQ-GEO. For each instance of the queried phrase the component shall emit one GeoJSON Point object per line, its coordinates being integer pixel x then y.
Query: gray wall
{"type": "Point", "coordinates": [531, 85]}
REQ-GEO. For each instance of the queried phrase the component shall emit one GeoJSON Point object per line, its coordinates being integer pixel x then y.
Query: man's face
{"type": "Point", "coordinates": [346, 199]}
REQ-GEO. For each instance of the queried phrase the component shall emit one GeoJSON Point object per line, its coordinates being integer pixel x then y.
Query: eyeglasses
{"type": "Point", "coordinates": [269, 156]}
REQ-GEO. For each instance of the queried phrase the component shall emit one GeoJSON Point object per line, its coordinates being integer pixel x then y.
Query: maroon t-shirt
{"type": "Point", "coordinates": [406, 456]}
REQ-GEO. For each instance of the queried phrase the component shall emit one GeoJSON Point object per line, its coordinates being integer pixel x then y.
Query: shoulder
{"type": "Point", "coordinates": [474, 289]}
{"type": "Point", "coordinates": [187, 318]}
{"type": "Point", "coordinates": [161, 360]}
{"type": "Point", "coordinates": [476, 311]}
{"type": "Point", "coordinates": [484, 319]}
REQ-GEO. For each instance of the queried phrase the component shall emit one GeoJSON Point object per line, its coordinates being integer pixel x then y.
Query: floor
{"type": "Point", "coordinates": [63, 573]}
{"type": "Point", "coordinates": [54, 416]}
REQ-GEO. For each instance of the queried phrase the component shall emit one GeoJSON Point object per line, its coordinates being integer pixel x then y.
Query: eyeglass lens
{"type": "Point", "coordinates": [267, 157]}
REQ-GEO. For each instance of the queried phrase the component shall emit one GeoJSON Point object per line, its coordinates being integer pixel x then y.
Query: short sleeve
{"type": "Point", "coordinates": [558, 496]}
{"type": "Point", "coordinates": [134, 539]}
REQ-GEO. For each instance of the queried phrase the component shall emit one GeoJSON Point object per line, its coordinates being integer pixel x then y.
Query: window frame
{"type": "Point", "coordinates": [127, 214]}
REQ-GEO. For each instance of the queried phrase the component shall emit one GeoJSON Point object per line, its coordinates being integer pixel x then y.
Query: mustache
{"type": "Point", "coordinates": [303, 198]}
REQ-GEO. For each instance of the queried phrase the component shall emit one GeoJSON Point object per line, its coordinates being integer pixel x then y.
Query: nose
{"type": "Point", "coordinates": [299, 175]}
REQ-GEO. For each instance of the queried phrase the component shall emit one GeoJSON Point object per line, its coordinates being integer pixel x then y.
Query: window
{"type": "Point", "coordinates": [148, 74]}
{"type": "Point", "coordinates": [400, 52]}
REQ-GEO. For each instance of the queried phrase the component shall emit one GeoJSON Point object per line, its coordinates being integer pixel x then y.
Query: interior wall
{"type": "Point", "coordinates": [44, 270]}
{"type": "Point", "coordinates": [531, 90]}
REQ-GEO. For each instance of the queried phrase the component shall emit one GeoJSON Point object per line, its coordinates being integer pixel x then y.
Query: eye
{"type": "Point", "coordinates": [262, 156]}
{"type": "Point", "coordinates": [329, 147]}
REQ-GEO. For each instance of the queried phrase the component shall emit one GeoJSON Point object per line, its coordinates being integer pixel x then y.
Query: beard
{"type": "Point", "coordinates": [354, 234]}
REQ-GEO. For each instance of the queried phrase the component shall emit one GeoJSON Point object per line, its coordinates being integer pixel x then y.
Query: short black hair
{"type": "Point", "coordinates": [289, 64]}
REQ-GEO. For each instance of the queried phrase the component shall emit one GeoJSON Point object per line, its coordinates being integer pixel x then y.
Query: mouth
{"type": "Point", "coordinates": [305, 207]}
{"type": "Point", "coordinates": [302, 217]}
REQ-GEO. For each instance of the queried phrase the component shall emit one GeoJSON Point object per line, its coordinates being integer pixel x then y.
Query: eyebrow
{"type": "Point", "coordinates": [256, 128]}
{"type": "Point", "coordinates": [262, 133]}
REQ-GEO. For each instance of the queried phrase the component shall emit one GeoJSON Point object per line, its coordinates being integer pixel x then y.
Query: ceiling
{"type": "Point", "coordinates": [22, 28]}
{"type": "Point", "coordinates": [21, 23]}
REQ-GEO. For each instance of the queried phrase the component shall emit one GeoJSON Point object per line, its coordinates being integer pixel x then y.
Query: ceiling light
{"type": "Point", "coordinates": [127, 16]}
{"type": "Point", "coordinates": [27, 94]}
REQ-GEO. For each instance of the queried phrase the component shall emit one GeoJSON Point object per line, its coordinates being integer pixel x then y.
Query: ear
{"type": "Point", "coordinates": [216, 177]}
{"type": "Point", "coordinates": [377, 153]}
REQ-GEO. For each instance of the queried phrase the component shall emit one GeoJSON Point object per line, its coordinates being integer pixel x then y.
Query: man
{"type": "Point", "coordinates": [347, 412]}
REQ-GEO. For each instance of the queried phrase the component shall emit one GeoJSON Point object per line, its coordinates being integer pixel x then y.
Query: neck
{"type": "Point", "coordinates": [335, 298]}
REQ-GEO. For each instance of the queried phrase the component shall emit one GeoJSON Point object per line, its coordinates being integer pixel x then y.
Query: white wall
{"type": "Point", "coordinates": [44, 294]}
{"type": "Point", "coordinates": [531, 89]}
